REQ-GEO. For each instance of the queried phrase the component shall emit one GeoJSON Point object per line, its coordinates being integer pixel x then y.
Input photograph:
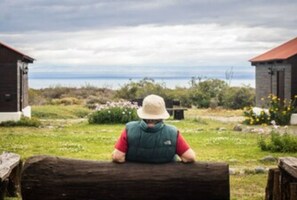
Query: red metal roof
{"type": "Point", "coordinates": [281, 52]}
{"type": "Point", "coordinates": [26, 57]}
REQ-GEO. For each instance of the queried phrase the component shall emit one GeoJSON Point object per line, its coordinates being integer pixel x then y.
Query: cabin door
{"type": "Point", "coordinates": [281, 84]}
{"type": "Point", "coordinates": [20, 86]}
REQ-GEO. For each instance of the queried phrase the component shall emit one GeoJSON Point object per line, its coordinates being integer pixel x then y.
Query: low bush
{"type": "Point", "coordinates": [111, 113]}
{"type": "Point", "coordinates": [24, 121]}
{"type": "Point", "coordinates": [238, 97]}
{"type": "Point", "coordinates": [278, 143]}
{"type": "Point", "coordinates": [66, 101]}
{"type": "Point", "coordinates": [252, 118]}
{"type": "Point", "coordinates": [279, 112]}
{"type": "Point", "coordinates": [93, 101]}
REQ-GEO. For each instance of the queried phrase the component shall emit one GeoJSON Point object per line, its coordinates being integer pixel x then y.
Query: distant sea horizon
{"type": "Point", "coordinates": [116, 77]}
{"type": "Point", "coordinates": [118, 82]}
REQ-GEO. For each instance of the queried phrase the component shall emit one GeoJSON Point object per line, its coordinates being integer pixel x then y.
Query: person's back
{"type": "Point", "coordinates": [150, 140]}
{"type": "Point", "coordinates": [154, 145]}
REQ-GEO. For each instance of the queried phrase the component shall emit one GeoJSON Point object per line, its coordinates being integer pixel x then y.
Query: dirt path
{"type": "Point", "coordinates": [226, 119]}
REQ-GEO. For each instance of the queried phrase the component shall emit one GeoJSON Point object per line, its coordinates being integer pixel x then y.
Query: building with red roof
{"type": "Point", "coordinates": [276, 72]}
{"type": "Point", "coordinates": [13, 83]}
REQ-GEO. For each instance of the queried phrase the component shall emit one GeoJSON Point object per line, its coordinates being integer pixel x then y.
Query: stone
{"type": "Point", "coordinates": [237, 127]}
{"type": "Point", "coordinates": [222, 129]}
{"type": "Point", "coordinates": [268, 158]}
{"type": "Point", "coordinates": [260, 170]}
{"type": "Point", "coordinates": [232, 171]}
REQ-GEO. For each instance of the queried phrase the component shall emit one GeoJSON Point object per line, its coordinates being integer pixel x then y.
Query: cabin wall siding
{"type": "Point", "coordinates": [8, 88]}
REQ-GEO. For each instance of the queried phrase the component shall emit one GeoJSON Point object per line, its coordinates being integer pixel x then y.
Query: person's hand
{"type": "Point", "coordinates": [118, 156]}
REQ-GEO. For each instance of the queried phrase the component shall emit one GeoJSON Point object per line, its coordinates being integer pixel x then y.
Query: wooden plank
{"type": "Point", "coordinates": [293, 191]}
{"type": "Point", "coordinates": [289, 164]}
{"type": "Point", "coordinates": [54, 178]}
{"type": "Point", "coordinates": [8, 161]}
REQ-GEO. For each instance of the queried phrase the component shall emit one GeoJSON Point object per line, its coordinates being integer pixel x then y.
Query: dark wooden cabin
{"type": "Point", "coordinates": [13, 83]}
{"type": "Point", "coordinates": [276, 72]}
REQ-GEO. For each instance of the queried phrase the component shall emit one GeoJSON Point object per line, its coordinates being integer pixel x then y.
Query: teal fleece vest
{"type": "Point", "coordinates": [151, 145]}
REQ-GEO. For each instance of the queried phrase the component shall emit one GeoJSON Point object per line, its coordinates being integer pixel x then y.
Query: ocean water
{"type": "Point", "coordinates": [116, 76]}
{"type": "Point", "coordinates": [116, 83]}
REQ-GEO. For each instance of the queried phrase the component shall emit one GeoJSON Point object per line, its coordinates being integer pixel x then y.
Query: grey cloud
{"type": "Point", "coordinates": [72, 15]}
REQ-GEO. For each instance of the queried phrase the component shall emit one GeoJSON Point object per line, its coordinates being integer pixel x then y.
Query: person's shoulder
{"type": "Point", "coordinates": [132, 123]}
{"type": "Point", "coordinates": [171, 127]}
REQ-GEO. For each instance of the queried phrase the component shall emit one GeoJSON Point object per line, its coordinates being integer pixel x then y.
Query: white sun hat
{"type": "Point", "coordinates": [153, 107]}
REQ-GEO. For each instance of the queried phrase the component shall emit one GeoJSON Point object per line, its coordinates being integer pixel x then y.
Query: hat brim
{"type": "Point", "coordinates": [141, 114]}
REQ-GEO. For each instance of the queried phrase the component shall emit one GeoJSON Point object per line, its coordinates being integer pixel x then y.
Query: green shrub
{"type": "Point", "coordinates": [279, 112]}
{"type": "Point", "coordinates": [252, 118]}
{"type": "Point", "coordinates": [93, 101]}
{"type": "Point", "coordinates": [202, 92]}
{"type": "Point", "coordinates": [66, 101]}
{"type": "Point", "coordinates": [278, 143]}
{"type": "Point", "coordinates": [140, 89]}
{"type": "Point", "coordinates": [111, 113]}
{"type": "Point", "coordinates": [238, 97]}
{"type": "Point", "coordinates": [24, 121]}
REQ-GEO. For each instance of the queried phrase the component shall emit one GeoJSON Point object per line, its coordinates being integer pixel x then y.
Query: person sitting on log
{"type": "Point", "coordinates": [150, 140]}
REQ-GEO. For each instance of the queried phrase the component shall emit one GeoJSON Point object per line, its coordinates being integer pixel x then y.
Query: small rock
{"type": "Point", "coordinates": [242, 172]}
{"type": "Point", "coordinates": [222, 129]}
{"type": "Point", "coordinates": [260, 170]}
{"type": "Point", "coordinates": [232, 171]}
{"type": "Point", "coordinates": [268, 159]}
{"type": "Point", "coordinates": [237, 127]}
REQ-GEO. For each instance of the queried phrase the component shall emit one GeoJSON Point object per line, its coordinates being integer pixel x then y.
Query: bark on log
{"type": "Point", "coordinates": [293, 191]}
{"type": "Point", "coordinates": [10, 165]}
{"type": "Point", "coordinates": [54, 178]}
{"type": "Point", "coordinates": [276, 185]}
{"type": "Point", "coordinates": [288, 169]}
{"type": "Point", "coordinates": [270, 184]}
{"type": "Point", "coordinates": [3, 185]}
{"type": "Point", "coordinates": [289, 164]}
{"type": "Point", "coordinates": [8, 161]}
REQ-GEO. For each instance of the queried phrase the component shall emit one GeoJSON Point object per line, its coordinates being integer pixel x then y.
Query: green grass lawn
{"type": "Point", "coordinates": [74, 138]}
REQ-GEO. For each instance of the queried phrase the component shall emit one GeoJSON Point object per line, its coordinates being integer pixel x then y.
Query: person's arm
{"type": "Point", "coordinates": [121, 147]}
{"type": "Point", "coordinates": [183, 150]}
{"type": "Point", "coordinates": [188, 156]}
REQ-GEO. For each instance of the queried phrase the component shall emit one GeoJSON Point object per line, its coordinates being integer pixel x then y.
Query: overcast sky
{"type": "Point", "coordinates": [96, 35]}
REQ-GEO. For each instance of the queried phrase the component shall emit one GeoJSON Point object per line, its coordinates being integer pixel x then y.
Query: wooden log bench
{"type": "Point", "coordinates": [55, 178]}
{"type": "Point", "coordinates": [10, 168]}
{"type": "Point", "coordinates": [282, 181]}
